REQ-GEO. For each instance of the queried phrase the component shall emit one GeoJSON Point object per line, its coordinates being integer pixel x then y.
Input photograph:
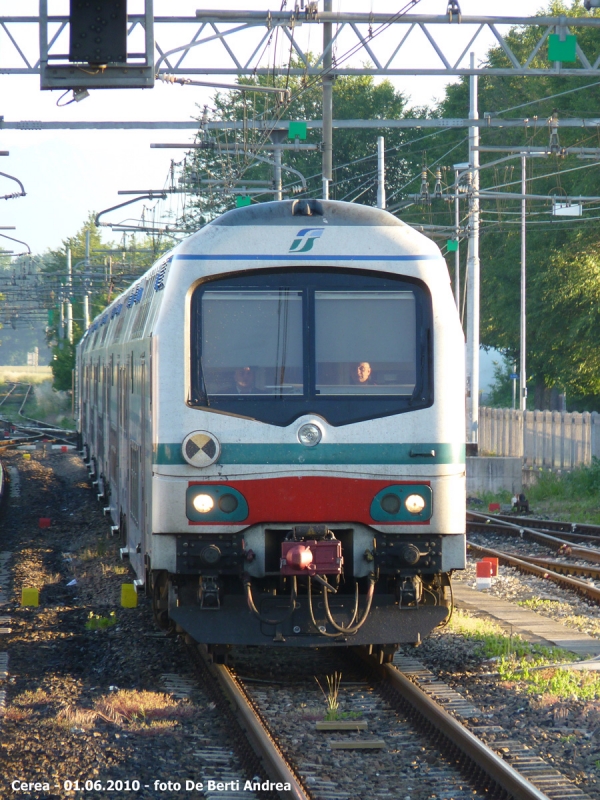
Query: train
{"type": "Point", "coordinates": [274, 416]}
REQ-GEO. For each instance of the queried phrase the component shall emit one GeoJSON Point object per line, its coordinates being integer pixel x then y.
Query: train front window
{"type": "Point", "coordinates": [365, 343]}
{"type": "Point", "coordinates": [348, 345]}
{"type": "Point", "coordinates": [252, 342]}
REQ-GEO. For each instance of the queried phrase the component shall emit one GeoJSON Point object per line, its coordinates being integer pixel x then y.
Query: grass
{"type": "Point", "coordinates": [135, 710]}
{"type": "Point", "coordinates": [573, 496]}
{"type": "Point", "coordinates": [96, 622]}
{"type": "Point", "coordinates": [531, 666]}
{"type": "Point", "coordinates": [332, 695]}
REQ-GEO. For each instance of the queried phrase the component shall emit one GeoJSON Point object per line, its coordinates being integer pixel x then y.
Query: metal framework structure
{"type": "Point", "coordinates": [212, 43]}
{"type": "Point", "coordinates": [529, 124]}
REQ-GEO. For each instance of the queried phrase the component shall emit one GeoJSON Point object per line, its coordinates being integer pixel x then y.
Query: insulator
{"type": "Point", "coordinates": [438, 183]}
{"type": "Point", "coordinates": [424, 187]}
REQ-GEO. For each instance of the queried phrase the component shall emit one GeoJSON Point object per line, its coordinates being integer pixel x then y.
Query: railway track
{"type": "Point", "coordinates": [25, 427]}
{"type": "Point", "coordinates": [574, 531]}
{"type": "Point", "coordinates": [408, 690]}
{"type": "Point", "coordinates": [416, 759]}
{"type": "Point", "coordinates": [563, 573]}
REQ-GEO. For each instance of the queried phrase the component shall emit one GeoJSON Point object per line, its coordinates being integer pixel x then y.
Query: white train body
{"type": "Point", "coordinates": [249, 470]}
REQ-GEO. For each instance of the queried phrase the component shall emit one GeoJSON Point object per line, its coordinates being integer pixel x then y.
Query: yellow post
{"type": "Point", "coordinates": [128, 595]}
{"type": "Point", "coordinates": [30, 597]}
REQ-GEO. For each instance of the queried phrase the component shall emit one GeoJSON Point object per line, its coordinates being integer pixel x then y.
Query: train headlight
{"type": "Point", "coordinates": [403, 503]}
{"type": "Point", "coordinates": [203, 503]}
{"type": "Point", "coordinates": [214, 502]}
{"type": "Point", "coordinates": [309, 435]}
{"type": "Point", "coordinates": [414, 503]}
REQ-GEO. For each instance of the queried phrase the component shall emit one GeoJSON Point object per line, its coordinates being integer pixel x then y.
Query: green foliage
{"type": "Point", "coordinates": [581, 482]}
{"type": "Point", "coordinates": [108, 272]}
{"type": "Point", "coordinates": [537, 668]}
{"type": "Point", "coordinates": [493, 642]}
{"type": "Point", "coordinates": [63, 364]}
{"type": "Point", "coordinates": [501, 391]}
{"type": "Point", "coordinates": [354, 151]}
{"type": "Point", "coordinates": [563, 265]}
{"type": "Point", "coordinates": [96, 622]}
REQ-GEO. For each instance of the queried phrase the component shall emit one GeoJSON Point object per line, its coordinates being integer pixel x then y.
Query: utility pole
{"type": "Point", "coordinates": [277, 138]}
{"type": "Point", "coordinates": [86, 300]}
{"type": "Point", "coordinates": [69, 298]}
{"type": "Point", "coordinates": [61, 327]}
{"type": "Point", "coordinates": [327, 103]}
{"type": "Point", "coordinates": [380, 172]}
{"type": "Point", "coordinates": [472, 365]}
{"type": "Point", "coordinates": [523, 332]}
{"type": "Point", "coordinates": [457, 234]}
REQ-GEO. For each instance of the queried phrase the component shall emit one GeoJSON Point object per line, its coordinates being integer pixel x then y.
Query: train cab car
{"type": "Point", "coordinates": [274, 414]}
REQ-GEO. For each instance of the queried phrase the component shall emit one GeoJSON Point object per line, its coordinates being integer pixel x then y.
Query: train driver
{"type": "Point", "coordinates": [245, 380]}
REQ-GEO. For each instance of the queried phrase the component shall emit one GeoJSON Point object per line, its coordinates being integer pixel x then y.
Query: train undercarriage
{"type": "Point", "coordinates": [313, 587]}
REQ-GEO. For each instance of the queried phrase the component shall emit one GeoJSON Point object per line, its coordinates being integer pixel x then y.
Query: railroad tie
{"type": "Point", "coordinates": [549, 780]}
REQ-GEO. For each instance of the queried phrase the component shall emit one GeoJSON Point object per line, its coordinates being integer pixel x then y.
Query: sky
{"type": "Point", "coordinates": [68, 174]}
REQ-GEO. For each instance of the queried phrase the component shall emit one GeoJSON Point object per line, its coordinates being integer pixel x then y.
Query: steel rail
{"type": "Point", "coordinates": [491, 764]}
{"type": "Point", "coordinates": [548, 525]}
{"type": "Point", "coordinates": [586, 589]}
{"type": "Point", "coordinates": [482, 527]}
{"type": "Point", "coordinates": [258, 734]}
{"type": "Point", "coordinates": [543, 538]}
{"type": "Point", "coordinates": [564, 567]}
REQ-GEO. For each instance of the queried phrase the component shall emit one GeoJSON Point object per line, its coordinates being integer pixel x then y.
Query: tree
{"type": "Point", "coordinates": [355, 152]}
{"type": "Point", "coordinates": [563, 336]}
{"type": "Point", "coordinates": [109, 270]}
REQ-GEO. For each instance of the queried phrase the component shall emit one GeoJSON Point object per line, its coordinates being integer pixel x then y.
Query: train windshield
{"type": "Point", "coordinates": [365, 342]}
{"type": "Point", "coordinates": [275, 345]}
{"type": "Point", "coordinates": [252, 342]}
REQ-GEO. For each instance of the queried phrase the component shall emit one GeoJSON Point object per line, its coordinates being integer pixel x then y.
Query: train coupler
{"type": "Point", "coordinates": [209, 593]}
{"type": "Point", "coordinates": [409, 592]}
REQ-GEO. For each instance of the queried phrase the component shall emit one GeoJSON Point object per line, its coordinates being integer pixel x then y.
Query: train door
{"type": "Point", "coordinates": [144, 449]}
{"type": "Point", "coordinates": [137, 460]}
{"type": "Point", "coordinates": [135, 519]}
{"type": "Point", "coordinates": [123, 438]}
{"type": "Point", "coordinates": [113, 436]}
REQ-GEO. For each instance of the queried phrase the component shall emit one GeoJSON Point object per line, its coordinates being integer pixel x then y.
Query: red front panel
{"type": "Point", "coordinates": [309, 499]}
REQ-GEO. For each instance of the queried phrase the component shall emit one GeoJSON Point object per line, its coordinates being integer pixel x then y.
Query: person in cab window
{"type": "Point", "coordinates": [245, 381]}
{"type": "Point", "coordinates": [362, 373]}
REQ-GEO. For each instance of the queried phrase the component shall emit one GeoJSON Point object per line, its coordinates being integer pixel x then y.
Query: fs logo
{"type": "Point", "coordinates": [305, 239]}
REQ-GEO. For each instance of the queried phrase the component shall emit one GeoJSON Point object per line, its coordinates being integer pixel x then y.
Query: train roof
{"type": "Point", "coordinates": [291, 212]}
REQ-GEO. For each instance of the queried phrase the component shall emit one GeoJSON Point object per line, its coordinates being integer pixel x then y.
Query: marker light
{"type": "Point", "coordinates": [414, 503]}
{"type": "Point", "coordinates": [309, 435]}
{"type": "Point", "coordinates": [203, 503]}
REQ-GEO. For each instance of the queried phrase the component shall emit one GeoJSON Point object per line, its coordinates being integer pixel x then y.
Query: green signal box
{"type": "Point", "coordinates": [452, 245]}
{"type": "Point", "coordinates": [241, 201]}
{"type": "Point", "coordinates": [562, 49]}
{"type": "Point", "coordinates": [297, 130]}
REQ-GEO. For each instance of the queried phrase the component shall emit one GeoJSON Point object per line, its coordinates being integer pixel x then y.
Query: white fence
{"type": "Point", "coordinates": [549, 439]}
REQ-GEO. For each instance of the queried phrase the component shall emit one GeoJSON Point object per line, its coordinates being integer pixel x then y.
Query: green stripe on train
{"type": "Point", "coordinates": [165, 453]}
